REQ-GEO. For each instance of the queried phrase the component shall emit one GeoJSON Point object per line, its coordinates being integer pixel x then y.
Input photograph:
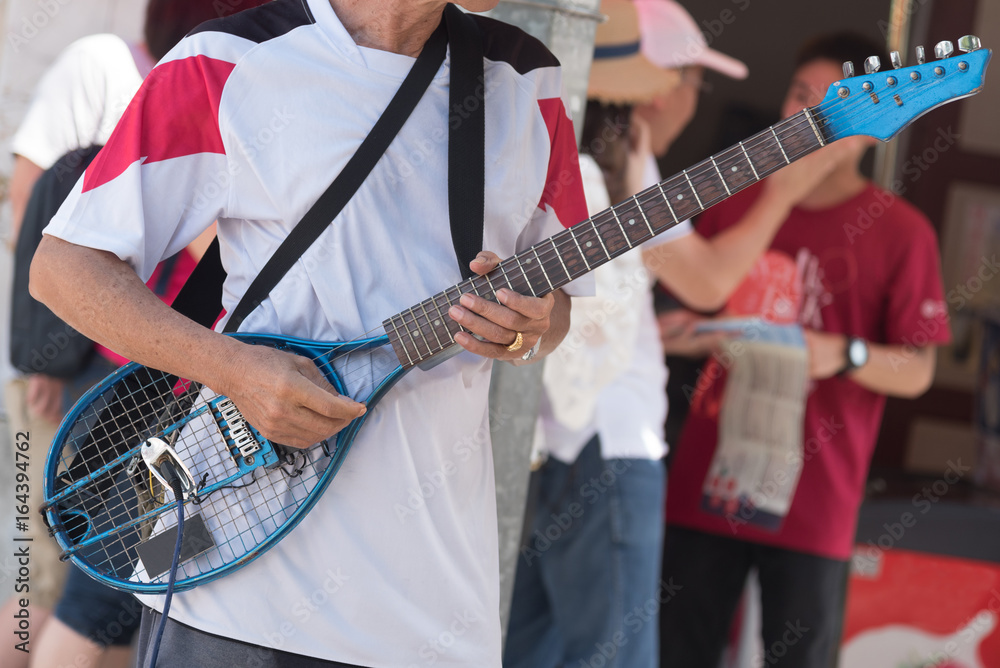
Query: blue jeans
{"type": "Point", "coordinates": [587, 591]}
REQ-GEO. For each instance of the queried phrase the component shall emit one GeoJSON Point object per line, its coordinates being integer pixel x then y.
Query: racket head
{"type": "Point", "coordinates": [117, 523]}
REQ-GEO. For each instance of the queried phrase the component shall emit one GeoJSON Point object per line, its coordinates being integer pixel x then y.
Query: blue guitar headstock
{"type": "Point", "coordinates": [880, 104]}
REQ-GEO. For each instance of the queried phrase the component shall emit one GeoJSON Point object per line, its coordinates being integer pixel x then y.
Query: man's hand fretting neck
{"type": "Point", "coordinates": [390, 25]}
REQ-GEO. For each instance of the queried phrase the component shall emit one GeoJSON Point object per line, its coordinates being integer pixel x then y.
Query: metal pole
{"type": "Point", "coordinates": [567, 29]}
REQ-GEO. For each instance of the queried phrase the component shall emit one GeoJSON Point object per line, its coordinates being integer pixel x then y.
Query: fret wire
{"type": "Point", "coordinates": [493, 290]}
{"type": "Point", "coordinates": [579, 248]}
{"type": "Point", "coordinates": [552, 243]}
{"type": "Point", "coordinates": [506, 280]}
{"type": "Point", "coordinates": [721, 177]}
{"type": "Point", "coordinates": [517, 259]}
{"type": "Point", "coordinates": [420, 328]}
{"type": "Point", "coordinates": [542, 265]}
{"type": "Point", "coordinates": [780, 147]}
{"type": "Point", "coordinates": [430, 324]}
{"type": "Point", "coordinates": [694, 179]}
{"type": "Point", "coordinates": [620, 226]}
{"type": "Point", "coordinates": [455, 301]}
{"type": "Point", "coordinates": [652, 198]}
{"type": "Point", "coordinates": [750, 162]}
{"type": "Point", "coordinates": [696, 198]}
{"type": "Point", "coordinates": [634, 204]}
{"type": "Point", "coordinates": [643, 214]}
{"type": "Point", "coordinates": [569, 250]}
{"type": "Point", "coordinates": [667, 200]}
{"type": "Point", "coordinates": [597, 233]}
{"type": "Point", "coordinates": [443, 317]}
{"type": "Point", "coordinates": [402, 343]}
{"type": "Point", "coordinates": [722, 155]}
{"type": "Point", "coordinates": [409, 332]}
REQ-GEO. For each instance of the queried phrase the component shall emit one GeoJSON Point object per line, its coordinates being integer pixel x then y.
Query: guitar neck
{"type": "Point", "coordinates": [424, 330]}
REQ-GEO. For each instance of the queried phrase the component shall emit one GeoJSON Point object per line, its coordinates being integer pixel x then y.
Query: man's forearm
{"type": "Point", "coordinates": [283, 395]}
{"type": "Point", "coordinates": [106, 301]}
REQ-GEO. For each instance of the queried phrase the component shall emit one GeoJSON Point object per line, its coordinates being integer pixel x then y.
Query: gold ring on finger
{"type": "Point", "coordinates": [518, 342]}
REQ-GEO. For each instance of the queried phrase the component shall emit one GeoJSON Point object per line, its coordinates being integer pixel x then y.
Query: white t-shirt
{"type": "Point", "coordinates": [608, 377]}
{"type": "Point", "coordinates": [247, 121]}
{"type": "Point", "coordinates": [80, 98]}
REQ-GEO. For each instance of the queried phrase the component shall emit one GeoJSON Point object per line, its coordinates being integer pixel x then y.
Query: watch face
{"type": "Point", "coordinates": [857, 352]}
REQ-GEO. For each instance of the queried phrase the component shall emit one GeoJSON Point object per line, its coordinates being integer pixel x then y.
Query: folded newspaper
{"type": "Point", "coordinates": [758, 459]}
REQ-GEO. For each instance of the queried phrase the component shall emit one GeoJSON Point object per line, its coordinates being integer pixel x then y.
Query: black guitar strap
{"type": "Point", "coordinates": [200, 299]}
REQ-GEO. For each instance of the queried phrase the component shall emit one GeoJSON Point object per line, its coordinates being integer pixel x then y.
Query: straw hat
{"type": "Point", "coordinates": [620, 74]}
{"type": "Point", "coordinates": [671, 39]}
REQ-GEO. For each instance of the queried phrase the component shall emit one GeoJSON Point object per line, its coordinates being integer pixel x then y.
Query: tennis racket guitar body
{"type": "Point", "coordinates": [106, 488]}
{"type": "Point", "coordinates": [107, 493]}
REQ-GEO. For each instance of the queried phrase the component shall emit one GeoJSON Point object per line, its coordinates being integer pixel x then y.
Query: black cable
{"type": "Point", "coordinates": [175, 484]}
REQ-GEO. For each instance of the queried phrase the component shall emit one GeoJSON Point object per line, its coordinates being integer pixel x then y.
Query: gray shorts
{"type": "Point", "coordinates": [185, 647]}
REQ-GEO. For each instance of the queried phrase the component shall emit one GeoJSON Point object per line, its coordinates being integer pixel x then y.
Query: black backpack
{"type": "Point", "coordinates": [39, 341]}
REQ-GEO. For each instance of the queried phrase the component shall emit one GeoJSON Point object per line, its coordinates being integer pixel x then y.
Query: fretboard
{"type": "Point", "coordinates": [426, 329]}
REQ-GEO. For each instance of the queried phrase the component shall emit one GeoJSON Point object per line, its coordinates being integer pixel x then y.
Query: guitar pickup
{"type": "Point", "coordinates": [240, 438]}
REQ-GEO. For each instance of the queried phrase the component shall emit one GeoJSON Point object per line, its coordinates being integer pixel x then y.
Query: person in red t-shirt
{"type": "Point", "coordinates": [858, 269]}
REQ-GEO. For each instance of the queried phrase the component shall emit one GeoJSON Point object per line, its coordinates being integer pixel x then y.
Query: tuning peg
{"type": "Point", "coordinates": [848, 69]}
{"type": "Point", "coordinates": [872, 64]}
{"type": "Point", "coordinates": [920, 55]}
{"type": "Point", "coordinates": [943, 49]}
{"type": "Point", "coordinates": [897, 62]}
{"type": "Point", "coordinates": [969, 43]}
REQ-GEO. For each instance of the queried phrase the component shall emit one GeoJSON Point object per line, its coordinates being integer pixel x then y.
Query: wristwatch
{"type": "Point", "coordinates": [857, 354]}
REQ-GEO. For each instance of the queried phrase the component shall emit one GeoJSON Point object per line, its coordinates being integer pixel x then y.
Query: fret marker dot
{"type": "Point", "coordinates": [437, 323]}
{"type": "Point", "coordinates": [631, 221]}
{"type": "Point", "coordinates": [680, 197]}
{"type": "Point", "coordinates": [589, 244]}
{"type": "Point", "coordinates": [734, 170]}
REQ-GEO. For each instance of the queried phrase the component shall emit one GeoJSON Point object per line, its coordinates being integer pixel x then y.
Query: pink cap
{"type": "Point", "coordinates": [671, 39]}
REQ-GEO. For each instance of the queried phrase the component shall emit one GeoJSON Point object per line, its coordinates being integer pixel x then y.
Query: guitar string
{"type": "Point", "coordinates": [802, 127]}
{"type": "Point", "coordinates": [843, 110]}
{"type": "Point", "coordinates": [839, 109]}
